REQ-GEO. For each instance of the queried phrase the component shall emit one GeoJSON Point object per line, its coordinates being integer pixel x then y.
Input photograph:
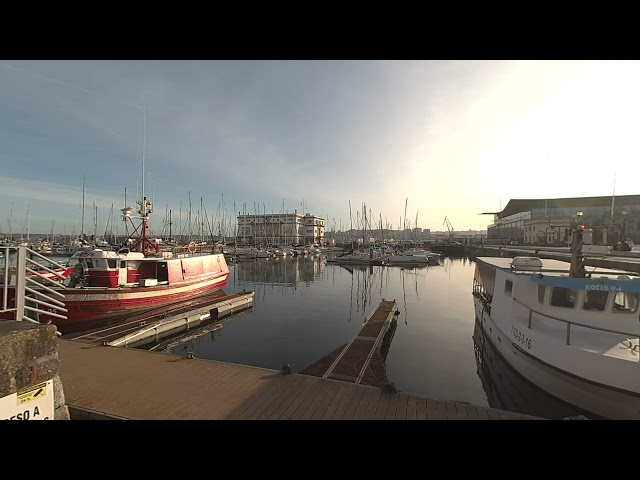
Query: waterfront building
{"type": "Point", "coordinates": [280, 229]}
{"type": "Point", "coordinates": [546, 220]}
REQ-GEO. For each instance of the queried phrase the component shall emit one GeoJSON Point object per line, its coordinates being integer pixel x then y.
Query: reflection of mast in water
{"type": "Point", "coordinates": [404, 296]}
{"type": "Point", "coordinates": [351, 302]}
{"type": "Point", "coordinates": [447, 266]}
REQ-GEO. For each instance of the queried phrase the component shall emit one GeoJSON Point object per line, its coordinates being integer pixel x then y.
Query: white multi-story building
{"type": "Point", "coordinates": [280, 229]}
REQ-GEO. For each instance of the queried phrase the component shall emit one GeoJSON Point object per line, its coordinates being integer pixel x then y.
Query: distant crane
{"type": "Point", "coordinates": [449, 228]}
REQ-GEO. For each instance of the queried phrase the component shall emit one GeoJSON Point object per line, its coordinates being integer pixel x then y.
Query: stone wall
{"type": "Point", "coordinates": [29, 357]}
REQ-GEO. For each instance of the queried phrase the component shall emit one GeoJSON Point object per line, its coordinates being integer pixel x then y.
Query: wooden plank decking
{"type": "Point", "coordinates": [137, 384]}
{"type": "Point", "coordinates": [361, 361]}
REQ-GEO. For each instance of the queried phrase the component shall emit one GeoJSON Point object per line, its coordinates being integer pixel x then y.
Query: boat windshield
{"type": "Point", "coordinates": [626, 302]}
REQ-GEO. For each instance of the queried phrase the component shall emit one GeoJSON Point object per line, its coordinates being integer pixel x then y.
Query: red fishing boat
{"type": "Point", "coordinates": [103, 286]}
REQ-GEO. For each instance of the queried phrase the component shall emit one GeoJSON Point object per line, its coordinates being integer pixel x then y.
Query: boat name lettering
{"type": "Point", "coordinates": [520, 337]}
{"type": "Point", "coordinates": [604, 288]}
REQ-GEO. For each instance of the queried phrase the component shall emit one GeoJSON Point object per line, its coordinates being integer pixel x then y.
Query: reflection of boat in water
{"type": "Point", "coordinates": [186, 342]}
{"type": "Point", "coordinates": [573, 334]}
{"type": "Point", "coordinates": [507, 390]}
{"type": "Point", "coordinates": [359, 258]}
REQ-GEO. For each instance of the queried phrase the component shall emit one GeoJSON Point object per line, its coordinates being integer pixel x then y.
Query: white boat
{"type": "Point", "coordinates": [414, 257]}
{"type": "Point", "coordinates": [570, 332]}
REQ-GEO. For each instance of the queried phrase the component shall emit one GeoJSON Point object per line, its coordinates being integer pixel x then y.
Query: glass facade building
{"type": "Point", "coordinates": [611, 218]}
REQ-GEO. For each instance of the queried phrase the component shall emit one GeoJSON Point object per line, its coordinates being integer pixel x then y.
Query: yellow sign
{"type": "Point", "coordinates": [34, 393]}
{"type": "Point", "coordinates": [34, 403]}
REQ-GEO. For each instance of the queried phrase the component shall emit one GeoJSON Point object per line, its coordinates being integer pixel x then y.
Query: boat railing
{"type": "Point", "coordinates": [570, 323]}
{"type": "Point", "coordinates": [28, 273]}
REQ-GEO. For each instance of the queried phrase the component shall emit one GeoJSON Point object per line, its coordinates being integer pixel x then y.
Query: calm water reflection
{"type": "Point", "coordinates": [304, 308]}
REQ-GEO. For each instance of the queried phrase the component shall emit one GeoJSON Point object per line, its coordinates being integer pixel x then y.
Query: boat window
{"type": "Point", "coordinates": [541, 290]}
{"type": "Point", "coordinates": [508, 287]}
{"type": "Point", "coordinates": [625, 302]}
{"type": "Point", "coordinates": [595, 300]}
{"type": "Point", "coordinates": [89, 263]}
{"type": "Point", "coordinates": [112, 262]}
{"type": "Point", "coordinates": [123, 264]}
{"type": "Point", "coordinates": [563, 297]}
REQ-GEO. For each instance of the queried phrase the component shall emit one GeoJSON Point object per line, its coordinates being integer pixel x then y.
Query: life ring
{"type": "Point", "coordinates": [192, 247]}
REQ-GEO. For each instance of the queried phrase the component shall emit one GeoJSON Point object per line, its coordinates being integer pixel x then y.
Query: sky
{"type": "Point", "coordinates": [413, 141]}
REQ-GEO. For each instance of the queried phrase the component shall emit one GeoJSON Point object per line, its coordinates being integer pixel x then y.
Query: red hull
{"type": "Point", "coordinates": [87, 308]}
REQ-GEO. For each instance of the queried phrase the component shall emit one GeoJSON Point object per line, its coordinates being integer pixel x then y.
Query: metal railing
{"type": "Point", "coordinates": [569, 323]}
{"type": "Point", "coordinates": [22, 275]}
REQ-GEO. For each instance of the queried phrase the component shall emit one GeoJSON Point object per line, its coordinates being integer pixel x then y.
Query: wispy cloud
{"type": "Point", "coordinates": [455, 137]}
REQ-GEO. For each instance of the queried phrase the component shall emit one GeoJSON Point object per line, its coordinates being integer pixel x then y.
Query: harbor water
{"type": "Point", "coordinates": [305, 307]}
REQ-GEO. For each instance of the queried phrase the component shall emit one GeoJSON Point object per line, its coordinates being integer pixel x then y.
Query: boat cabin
{"type": "Point", "coordinates": [100, 268]}
{"type": "Point", "coordinates": [545, 287]}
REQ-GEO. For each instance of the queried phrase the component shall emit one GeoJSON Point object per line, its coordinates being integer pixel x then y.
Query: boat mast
{"type": "Point", "coordinates": [141, 244]}
{"type": "Point", "coordinates": [10, 221]}
{"type": "Point", "coordinates": [351, 227]}
{"type": "Point", "coordinates": [28, 221]}
{"type": "Point", "coordinates": [577, 257]}
{"type": "Point", "coordinates": [82, 223]}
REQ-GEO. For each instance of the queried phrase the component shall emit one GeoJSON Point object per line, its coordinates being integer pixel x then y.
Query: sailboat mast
{"type": "Point", "coordinates": [351, 226]}
{"type": "Point", "coordinates": [82, 223]}
{"type": "Point", "coordinates": [144, 133]}
{"type": "Point", "coordinates": [613, 196]}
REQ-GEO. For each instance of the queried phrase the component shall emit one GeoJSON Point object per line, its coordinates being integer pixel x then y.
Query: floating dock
{"type": "Point", "coordinates": [150, 327]}
{"type": "Point", "coordinates": [361, 361]}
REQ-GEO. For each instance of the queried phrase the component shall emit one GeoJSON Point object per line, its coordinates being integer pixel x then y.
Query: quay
{"type": "Point", "coordinates": [629, 261]}
{"type": "Point", "coordinates": [102, 382]}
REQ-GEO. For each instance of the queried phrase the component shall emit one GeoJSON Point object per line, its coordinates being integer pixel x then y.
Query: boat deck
{"type": "Point", "coordinates": [125, 383]}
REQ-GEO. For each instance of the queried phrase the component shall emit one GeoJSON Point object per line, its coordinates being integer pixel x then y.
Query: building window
{"type": "Point", "coordinates": [563, 297]}
{"type": "Point", "coordinates": [508, 287]}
